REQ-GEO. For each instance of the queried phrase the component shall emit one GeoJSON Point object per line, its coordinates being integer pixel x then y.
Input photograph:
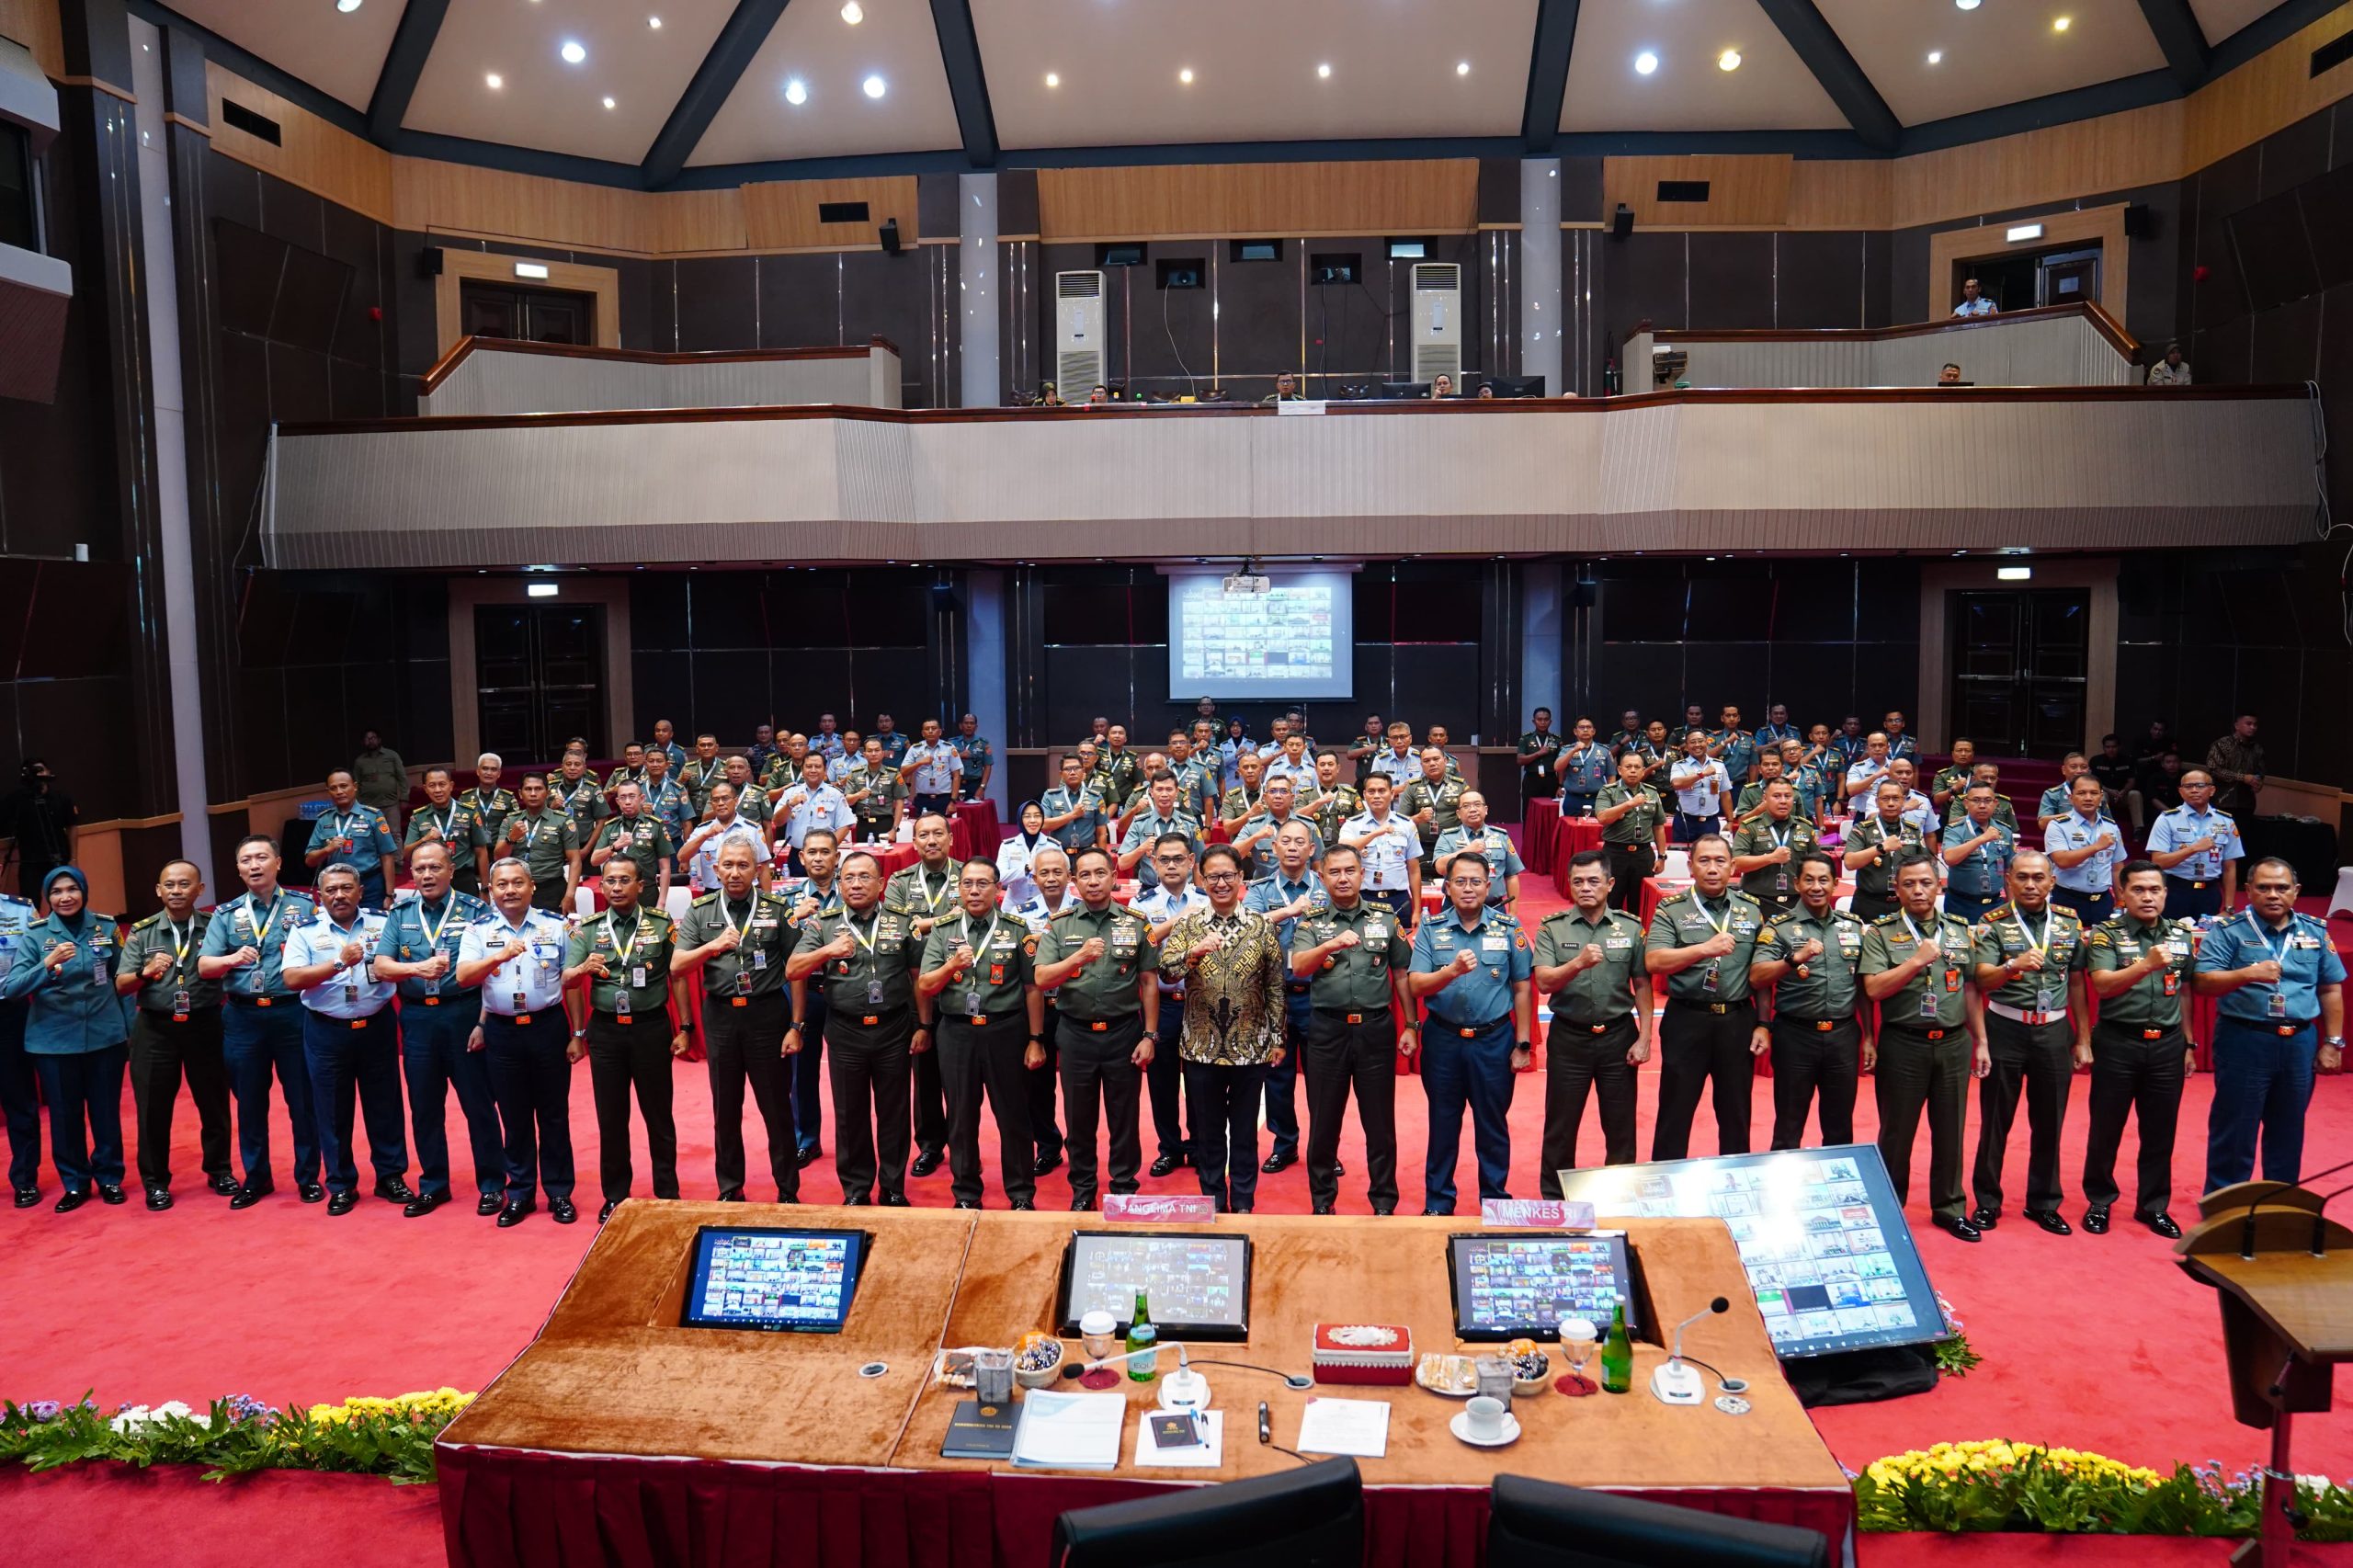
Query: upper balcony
{"type": "Point", "coordinates": [497, 375]}
{"type": "Point", "coordinates": [2058, 346]}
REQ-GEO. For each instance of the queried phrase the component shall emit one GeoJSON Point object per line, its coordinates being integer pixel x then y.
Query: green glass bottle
{"type": "Point", "coordinates": [1142, 1336]}
{"type": "Point", "coordinates": [1617, 1354]}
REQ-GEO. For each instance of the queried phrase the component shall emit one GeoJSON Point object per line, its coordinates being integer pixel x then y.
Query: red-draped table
{"type": "Point", "coordinates": [1573, 837]}
{"type": "Point", "coordinates": [1537, 830]}
{"type": "Point", "coordinates": [975, 830]}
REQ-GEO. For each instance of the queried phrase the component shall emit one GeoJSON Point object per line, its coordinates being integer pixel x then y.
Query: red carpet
{"type": "Point", "coordinates": [2092, 1342]}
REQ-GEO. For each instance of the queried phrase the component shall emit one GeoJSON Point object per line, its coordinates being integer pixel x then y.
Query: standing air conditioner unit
{"type": "Point", "coordinates": [1078, 334]}
{"type": "Point", "coordinates": [1438, 321]}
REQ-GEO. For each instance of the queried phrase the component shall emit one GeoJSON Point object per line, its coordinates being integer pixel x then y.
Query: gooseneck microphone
{"type": "Point", "coordinates": [2247, 1222]}
{"type": "Point", "coordinates": [1675, 1382]}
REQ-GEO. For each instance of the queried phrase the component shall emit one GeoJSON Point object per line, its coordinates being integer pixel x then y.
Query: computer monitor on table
{"type": "Point", "coordinates": [1405, 388]}
{"type": "Point", "coordinates": [1516, 386]}
{"type": "Point", "coordinates": [1541, 1524]}
{"type": "Point", "coordinates": [1308, 1517]}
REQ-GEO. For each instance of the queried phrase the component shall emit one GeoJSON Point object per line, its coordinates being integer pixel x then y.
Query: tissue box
{"type": "Point", "coordinates": [1364, 1353]}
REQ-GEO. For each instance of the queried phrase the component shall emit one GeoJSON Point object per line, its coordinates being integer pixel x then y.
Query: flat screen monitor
{"type": "Point", "coordinates": [1292, 643]}
{"type": "Point", "coordinates": [1517, 386]}
{"type": "Point", "coordinates": [1405, 388]}
{"type": "Point", "coordinates": [775, 1280]}
{"type": "Point", "coordinates": [1196, 1283]}
{"type": "Point", "coordinates": [1508, 1284]}
{"type": "Point", "coordinates": [1819, 1230]}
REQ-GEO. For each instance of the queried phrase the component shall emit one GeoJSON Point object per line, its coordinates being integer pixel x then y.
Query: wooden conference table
{"type": "Point", "coordinates": [619, 1437]}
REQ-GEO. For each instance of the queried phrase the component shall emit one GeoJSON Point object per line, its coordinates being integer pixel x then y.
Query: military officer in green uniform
{"type": "Point", "coordinates": [1766, 848]}
{"type": "Point", "coordinates": [1359, 1017]}
{"type": "Point", "coordinates": [1632, 819]}
{"type": "Point", "coordinates": [1537, 746]}
{"type": "Point", "coordinates": [865, 958]}
{"type": "Point", "coordinates": [702, 770]}
{"type": "Point", "coordinates": [1931, 1035]}
{"type": "Point", "coordinates": [2030, 958]}
{"type": "Point", "coordinates": [1811, 955]}
{"type": "Point", "coordinates": [876, 793]}
{"type": "Point", "coordinates": [739, 937]}
{"type": "Point", "coordinates": [622, 1020]}
{"type": "Point", "coordinates": [1589, 959]}
{"type": "Point", "coordinates": [446, 818]}
{"type": "Point", "coordinates": [636, 833]}
{"type": "Point", "coordinates": [631, 770]}
{"type": "Point", "coordinates": [175, 1029]}
{"type": "Point", "coordinates": [577, 794]}
{"type": "Point", "coordinates": [1119, 768]}
{"type": "Point", "coordinates": [490, 805]}
{"type": "Point", "coordinates": [980, 758]}
{"type": "Point", "coordinates": [1876, 844]}
{"type": "Point", "coordinates": [978, 969]}
{"type": "Point", "coordinates": [1704, 939]}
{"type": "Point", "coordinates": [2137, 963]}
{"type": "Point", "coordinates": [925, 894]}
{"type": "Point", "coordinates": [1099, 963]}
{"type": "Point", "coordinates": [752, 801]}
{"type": "Point", "coordinates": [546, 841]}
{"type": "Point", "coordinates": [1332, 802]}
{"type": "Point", "coordinates": [1431, 802]}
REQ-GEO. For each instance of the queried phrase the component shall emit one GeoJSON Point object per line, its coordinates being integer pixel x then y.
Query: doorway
{"type": "Point", "coordinates": [2020, 663]}
{"type": "Point", "coordinates": [539, 671]}
{"type": "Point", "coordinates": [529, 315]}
{"type": "Point", "coordinates": [2022, 281]}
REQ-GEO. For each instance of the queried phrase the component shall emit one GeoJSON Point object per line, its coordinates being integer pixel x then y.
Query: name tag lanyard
{"type": "Point", "coordinates": [261, 934]}
{"type": "Point", "coordinates": [866, 939]}
{"type": "Point", "coordinates": [2046, 994]}
{"type": "Point", "coordinates": [343, 824]}
{"type": "Point", "coordinates": [351, 981]}
{"type": "Point", "coordinates": [625, 951]}
{"type": "Point", "coordinates": [971, 989]}
{"type": "Point", "coordinates": [1714, 977]}
{"type": "Point", "coordinates": [1929, 993]}
{"type": "Point", "coordinates": [930, 899]}
{"type": "Point", "coordinates": [181, 1001]}
{"type": "Point", "coordinates": [1780, 841]}
{"type": "Point", "coordinates": [2277, 1007]}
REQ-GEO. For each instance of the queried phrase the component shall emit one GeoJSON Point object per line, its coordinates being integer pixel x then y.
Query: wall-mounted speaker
{"type": "Point", "coordinates": [2140, 223]}
{"type": "Point", "coordinates": [428, 262]}
{"type": "Point", "coordinates": [890, 236]}
{"type": "Point", "coordinates": [1622, 223]}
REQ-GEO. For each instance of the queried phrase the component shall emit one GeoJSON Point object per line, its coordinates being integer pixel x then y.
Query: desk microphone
{"type": "Point", "coordinates": [2320, 1224]}
{"type": "Point", "coordinates": [2272, 1188]}
{"type": "Point", "coordinates": [1675, 1382]}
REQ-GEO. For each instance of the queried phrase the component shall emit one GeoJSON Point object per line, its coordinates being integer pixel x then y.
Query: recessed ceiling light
{"type": "Point", "coordinates": [1728, 61]}
{"type": "Point", "coordinates": [494, 80]}
{"type": "Point", "coordinates": [653, 22]}
{"type": "Point", "coordinates": [1186, 76]}
{"type": "Point", "coordinates": [573, 51]}
{"type": "Point", "coordinates": [796, 91]}
{"type": "Point", "coordinates": [2059, 24]}
{"type": "Point", "coordinates": [1646, 63]}
{"type": "Point", "coordinates": [609, 103]}
{"type": "Point", "coordinates": [1463, 68]}
{"type": "Point", "coordinates": [1967, 5]}
{"type": "Point", "coordinates": [1323, 71]}
{"type": "Point", "coordinates": [853, 13]}
{"type": "Point", "coordinates": [1053, 79]}
{"type": "Point", "coordinates": [1936, 57]}
{"type": "Point", "coordinates": [875, 87]}
{"type": "Point", "coordinates": [346, 6]}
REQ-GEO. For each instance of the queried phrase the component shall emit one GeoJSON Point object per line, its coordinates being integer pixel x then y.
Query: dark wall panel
{"type": "Point", "coordinates": [718, 303]}
{"type": "Point", "coordinates": [1819, 280]}
{"type": "Point", "coordinates": [1732, 279]}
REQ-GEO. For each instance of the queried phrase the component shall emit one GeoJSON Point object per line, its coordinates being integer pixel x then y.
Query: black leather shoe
{"type": "Point", "coordinates": [246, 1196]}
{"type": "Point", "coordinates": [311, 1191]}
{"type": "Point", "coordinates": [1378, 1211]}
{"type": "Point", "coordinates": [1166, 1163]}
{"type": "Point", "coordinates": [69, 1201]}
{"type": "Point", "coordinates": [226, 1186]}
{"type": "Point", "coordinates": [1082, 1202]}
{"type": "Point", "coordinates": [513, 1213]}
{"type": "Point", "coordinates": [112, 1195]}
{"type": "Point", "coordinates": [734, 1196]}
{"type": "Point", "coordinates": [1278, 1162]}
{"type": "Point", "coordinates": [423, 1203]}
{"type": "Point", "coordinates": [1960, 1230]}
{"type": "Point", "coordinates": [561, 1212]}
{"type": "Point", "coordinates": [605, 1213]}
{"type": "Point", "coordinates": [1338, 1169]}
{"type": "Point", "coordinates": [895, 1201]}
{"type": "Point", "coordinates": [2050, 1220]}
{"type": "Point", "coordinates": [2096, 1219]}
{"type": "Point", "coordinates": [1046, 1162]}
{"type": "Point", "coordinates": [1022, 1206]}
{"type": "Point", "coordinates": [392, 1189]}
{"type": "Point", "coordinates": [158, 1200]}
{"type": "Point", "coordinates": [791, 1197]}
{"type": "Point", "coordinates": [1985, 1219]}
{"type": "Point", "coordinates": [2163, 1225]}
{"type": "Point", "coordinates": [344, 1202]}
{"type": "Point", "coordinates": [967, 1203]}
{"type": "Point", "coordinates": [27, 1196]}
{"type": "Point", "coordinates": [489, 1203]}
{"type": "Point", "coordinates": [807, 1155]}
{"type": "Point", "coordinates": [925, 1163]}
{"type": "Point", "coordinates": [1326, 1209]}
{"type": "Point", "coordinates": [1428, 1213]}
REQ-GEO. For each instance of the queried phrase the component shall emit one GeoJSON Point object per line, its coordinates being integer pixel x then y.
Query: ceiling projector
{"type": "Point", "coordinates": [1244, 582]}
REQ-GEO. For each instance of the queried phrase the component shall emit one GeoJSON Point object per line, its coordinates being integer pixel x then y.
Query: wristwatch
{"type": "Point", "coordinates": [580, 1034]}
{"type": "Point", "coordinates": [1037, 1040]}
{"type": "Point", "coordinates": [2334, 1043]}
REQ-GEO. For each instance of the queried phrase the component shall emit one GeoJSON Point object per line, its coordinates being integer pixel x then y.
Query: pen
{"type": "Point", "coordinates": [1266, 1427]}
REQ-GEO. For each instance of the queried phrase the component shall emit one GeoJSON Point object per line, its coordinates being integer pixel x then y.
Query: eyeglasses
{"type": "Point", "coordinates": [1222, 876]}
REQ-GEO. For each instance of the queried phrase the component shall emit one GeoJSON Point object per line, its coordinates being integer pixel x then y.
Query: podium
{"type": "Point", "coordinates": [2284, 1275]}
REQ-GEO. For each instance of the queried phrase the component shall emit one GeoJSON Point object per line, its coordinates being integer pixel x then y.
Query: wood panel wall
{"type": "Point", "coordinates": [34, 24]}
{"type": "Point", "coordinates": [322, 159]}
{"type": "Point", "coordinates": [782, 215]}
{"type": "Point", "coordinates": [1238, 200]}
{"type": "Point", "coordinates": [1750, 191]}
{"type": "Point", "coordinates": [2115, 152]}
{"type": "Point", "coordinates": [2269, 93]}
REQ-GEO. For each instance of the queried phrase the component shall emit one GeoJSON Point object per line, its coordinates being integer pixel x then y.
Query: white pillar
{"type": "Point", "coordinates": [1542, 321]}
{"type": "Point", "coordinates": [1540, 625]}
{"type": "Point", "coordinates": [976, 273]}
{"type": "Point", "coordinates": [171, 445]}
{"type": "Point", "coordinates": [985, 665]}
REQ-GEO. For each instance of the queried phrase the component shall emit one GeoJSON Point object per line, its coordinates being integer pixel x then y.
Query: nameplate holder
{"type": "Point", "coordinates": [1157, 1209]}
{"type": "Point", "coordinates": [1535, 1214]}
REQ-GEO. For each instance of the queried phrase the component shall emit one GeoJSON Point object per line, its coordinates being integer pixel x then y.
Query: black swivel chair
{"type": "Point", "coordinates": [1539, 1524]}
{"type": "Point", "coordinates": [1308, 1517]}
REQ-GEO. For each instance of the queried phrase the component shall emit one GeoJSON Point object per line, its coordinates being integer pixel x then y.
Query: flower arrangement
{"type": "Point", "coordinates": [1954, 1354]}
{"type": "Point", "coordinates": [237, 1435]}
{"type": "Point", "coordinates": [1998, 1485]}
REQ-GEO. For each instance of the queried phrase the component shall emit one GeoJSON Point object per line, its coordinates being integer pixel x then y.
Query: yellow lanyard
{"type": "Point", "coordinates": [432, 932]}
{"type": "Point", "coordinates": [2042, 948]}
{"type": "Point", "coordinates": [624, 950]}
{"type": "Point", "coordinates": [179, 943]}
{"type": "Point", "coordinates": [922, 888]}
{"type": "Point", "coordinates": [261, 928]}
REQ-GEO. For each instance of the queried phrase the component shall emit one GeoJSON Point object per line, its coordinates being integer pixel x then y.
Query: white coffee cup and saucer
{"type": "Point", "coordinates": [1486, 1423]}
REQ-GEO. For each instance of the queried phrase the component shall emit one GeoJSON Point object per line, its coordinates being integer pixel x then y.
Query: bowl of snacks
{"type": "Point", "coordinates": [1037, 1360]}
{"type": "Point", "coordinates": [1529, 1366]}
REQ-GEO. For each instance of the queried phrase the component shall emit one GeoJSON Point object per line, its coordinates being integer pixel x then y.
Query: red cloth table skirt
{"type": "Point", "coordinates": [1573, 836]}
{"type": "Point", "coordinates": [511, 1508]}
{"type": "Point", "coordinates": [1535, 834]}
{"type": "Point", "coordinates": [975, 830]}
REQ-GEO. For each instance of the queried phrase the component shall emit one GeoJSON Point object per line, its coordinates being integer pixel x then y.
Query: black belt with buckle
{"type": "Point", "coordinates": [1822, 1025]}
{"type": "Point", "coordinates": [1357, 1015]}
{"type": "Point", "coordinates": [1602, 1027]}
{"type": "Point", "coordinates": [1476, 1030]}
{"type": "Point", "coordinates": [1901, 1028]}
{"type": "Point", "coordinates": [1719, 1008]}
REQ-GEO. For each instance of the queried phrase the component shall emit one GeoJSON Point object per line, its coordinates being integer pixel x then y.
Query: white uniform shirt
{"type": "Point", "coordinates": [350, 992]}
{"type": "Point", "coordinates": [537, 977]}
{"type": "Point", "coordinates": [1397, 844]}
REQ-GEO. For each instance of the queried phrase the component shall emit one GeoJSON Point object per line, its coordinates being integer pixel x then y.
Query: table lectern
{"type": "Point", "coordinates": [2284, 1275]}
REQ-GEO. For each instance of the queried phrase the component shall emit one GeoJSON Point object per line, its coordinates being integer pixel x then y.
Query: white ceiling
{"type": "Point", "coordinates": [1255, 68]}
{"type": "Point", "coordinates": [546, 103]}
{"type": "Point", "coordinates": [1255, 64]}
{"type": "Point", "coordinates": [1771, 90]}
{"type": "Point", "coordinates": [1999, 53]}
{"type": "Point", "coordinates": [340, 55]}
{"type": "Point", "coordinates": [833, 59]}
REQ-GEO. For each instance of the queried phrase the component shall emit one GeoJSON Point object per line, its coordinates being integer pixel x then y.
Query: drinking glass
{"type": "Point", "coordinates": [1577, 1337]}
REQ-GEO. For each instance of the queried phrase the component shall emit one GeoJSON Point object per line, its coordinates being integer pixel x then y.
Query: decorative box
{"type": "Point", "coordinates": [1364, 1353]}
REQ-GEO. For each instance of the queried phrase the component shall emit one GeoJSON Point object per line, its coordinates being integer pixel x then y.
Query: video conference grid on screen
{"type": "Point", "coordinates": [1509, 1286]}
{"type": "Point", "coordinates": [1819, 1230]}
{"type": "Point", "coordinates": [791, 1280]}
{"type": "Point", "coordinates": [1194, 1283]}
{"type": "Point", "coordinates": [1294, 642]}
